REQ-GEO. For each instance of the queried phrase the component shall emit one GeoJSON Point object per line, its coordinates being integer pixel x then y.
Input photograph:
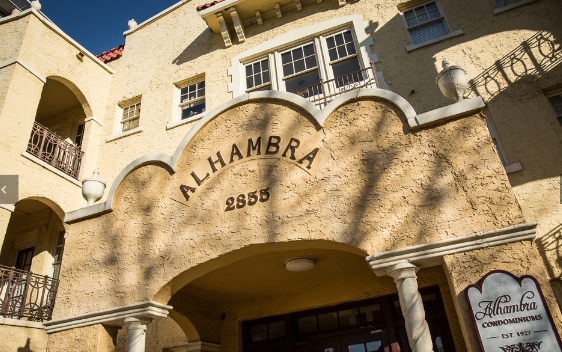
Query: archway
{"type": "Point", "coordinates": [31, 256]}
{"type": "Point", "coordinates": [59, 129]}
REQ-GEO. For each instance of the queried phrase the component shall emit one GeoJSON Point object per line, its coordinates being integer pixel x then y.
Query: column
{"type": "Point", "coordinates": [136, 334]}
{"type": "Point", "coordinates": [404, 275]}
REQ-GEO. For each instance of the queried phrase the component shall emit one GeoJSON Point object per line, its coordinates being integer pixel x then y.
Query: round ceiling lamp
{"type": "Point", "coordinates": [300, 263]}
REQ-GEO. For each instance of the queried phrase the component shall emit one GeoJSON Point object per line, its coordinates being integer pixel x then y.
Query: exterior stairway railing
{"type": "Point", "coordinates": [52, 149]}
{"type": "Point", "coordinates": [324, 92]}
{"type": "Point", "coordinates": [26, 295]}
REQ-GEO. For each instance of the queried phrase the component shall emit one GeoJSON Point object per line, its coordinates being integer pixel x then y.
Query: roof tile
{"type": "Point", "coordinates": [112, 54]}
{"type": "Point", "coordinates": [207, 5]}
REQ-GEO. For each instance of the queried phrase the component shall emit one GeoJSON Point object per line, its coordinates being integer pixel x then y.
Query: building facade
{"type": "Point", "coordinates": [285, 175]}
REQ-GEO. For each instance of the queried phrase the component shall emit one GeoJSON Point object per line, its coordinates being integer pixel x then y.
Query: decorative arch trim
{"type": "Point", "coordinates": [318, 116]}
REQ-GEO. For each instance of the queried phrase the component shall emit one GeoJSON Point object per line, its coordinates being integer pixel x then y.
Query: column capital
{"type": "Point", "coordinates": [402, 271]}
{"type": "Point", "coordinates": [136, 323]}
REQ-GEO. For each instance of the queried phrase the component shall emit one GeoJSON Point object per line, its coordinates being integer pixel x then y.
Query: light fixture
{"type": "Point", "coordinates": [80, 56]}
{"type": "Point", "coordinates": [300, 263]}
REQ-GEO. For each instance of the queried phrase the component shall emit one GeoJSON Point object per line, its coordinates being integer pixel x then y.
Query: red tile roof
{"type": "Point", "coordinates": [207, 5]}
{"type": "Point", "coordinates": [112, 54]}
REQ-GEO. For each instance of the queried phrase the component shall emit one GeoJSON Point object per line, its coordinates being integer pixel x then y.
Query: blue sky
{"type": "Point", "coordinates": [98, 25]}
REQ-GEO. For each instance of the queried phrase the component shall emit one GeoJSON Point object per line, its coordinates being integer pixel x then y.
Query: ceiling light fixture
{"type": "Point", "coordinates": [300, 263]}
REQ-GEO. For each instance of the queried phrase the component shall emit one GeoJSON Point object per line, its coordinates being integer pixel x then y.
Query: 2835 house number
{"type": "Point", "coordinates": [250, 199]}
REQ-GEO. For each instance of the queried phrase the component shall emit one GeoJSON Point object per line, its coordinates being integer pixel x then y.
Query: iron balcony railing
{"type": "Point", "coordinates": [52, 149]}
{"type": "Point", "coordinates": [26, 295]}
{"type": "Point", "coordinates": [324, 92]}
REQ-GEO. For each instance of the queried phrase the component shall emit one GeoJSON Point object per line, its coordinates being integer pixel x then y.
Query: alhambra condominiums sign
{"type": "Point", "coordinates": [510, 314]}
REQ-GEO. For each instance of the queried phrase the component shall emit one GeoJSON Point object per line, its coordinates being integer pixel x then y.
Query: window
{"type": "Point", "coordinates": [79, 136]}
{"type": "Point", "coordinates": [131, 116]}
{"type": "Point", "coordinates": [425, 22]}
{"type": "Point", "coordinates": [331, 59]}
{"type": "Point", "coordinates": [59, 250]}
{"type": "Point", "coordinates": [25, 256]}
{"type": "Point", "coordinates": [556, 102]}
{"type": "Point", "coordinates": [192, 99]}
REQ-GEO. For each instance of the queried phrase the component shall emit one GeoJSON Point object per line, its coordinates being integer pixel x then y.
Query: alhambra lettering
{"type": "Point", "coordinates": [270, 146]}
{"type": "Point", "coordinates": [500, 306]}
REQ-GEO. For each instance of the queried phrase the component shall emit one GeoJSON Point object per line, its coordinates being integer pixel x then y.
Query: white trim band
{"type": "Point", "coordinates": [21, 323]}
{"type": "Point", "coordinates": [111, 316]}
{"type": "Point", "coordinates": [24, 65]}
{"type": "Point", "coordinates": [430, 254]}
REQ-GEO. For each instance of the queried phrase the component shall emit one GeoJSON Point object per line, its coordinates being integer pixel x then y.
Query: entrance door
{"type": "Point", "coordinates": [369, 341]}
{"type": "Point", "coordinates": [329, 344]}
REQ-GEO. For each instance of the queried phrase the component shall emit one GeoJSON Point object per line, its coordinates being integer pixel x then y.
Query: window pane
{"type": "Point", "coordinates": [348, 317]}
{"type": "Point", "coordinates": [341, 51]}
{"type": "Point", "coordinates": [257, 79]}
{"type": "Point", "coordinates": [308, 50]}
{"type": "Point", "coordinates": [331, 43]}
{"type": "Point", "coordinates": [299, 66]}
{"type": "Point", "coordinates": [250, 82]}
{"type": "Point", "coordinates": [339, 39]}
{"type": "Point", "coordinates": [286, 57]}
{"type": "Point", "coordinates": [346, 73]}
{"type": "Point", "coordinates": [333, 54]}
{"type": "Point", "coordinates": [347, 36]}
{"type": "Point", "coordinates": [276, 330]}
{"type": "Point", "coordinates": [307, 325]}
{"type": "Point", "coordinates": [297, 54]}
{"type": "Point", "coordinates": [302, 81]}
{"type": "Point", "coordinates": [259, 332]}
{"type": "Point", "coordinates": [266, 77]}
{"type": "Point", "coordinates": [248, 71]}
{"type": "Point", "coordinates": [372, 314]}
{"type": "Point", "coordinates": [350, 49]}
{"type": "Point", "coordinates": [288, 70]}
{"type": "Point", "coordinates": [356, 348]}
{"type": "Point", "coordinates": [328, 321]}
{"type": "Point", "coordinates": [193, 109]}
{"type": "Point", "coordinates": [428, 31]}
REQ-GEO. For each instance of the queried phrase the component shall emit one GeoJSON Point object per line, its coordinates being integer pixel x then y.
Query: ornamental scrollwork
{"type": "Point", "coordinates": [533, 346]}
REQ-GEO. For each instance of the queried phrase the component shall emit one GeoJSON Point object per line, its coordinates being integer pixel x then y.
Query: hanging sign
{"type": "Point", "coordinates": [510, 314]}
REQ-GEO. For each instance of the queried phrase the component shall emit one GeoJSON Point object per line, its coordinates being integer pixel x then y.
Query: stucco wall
{"type": "Point", "coordinates": [374, 185]}
{"type": "Point", "coordinates": [21, 339]}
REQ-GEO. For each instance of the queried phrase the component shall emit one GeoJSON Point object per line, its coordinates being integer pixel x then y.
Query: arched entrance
{"type": "Point", "coordinates": [31, 259]}
{"type": "Point", "coordinates": [254, 303]}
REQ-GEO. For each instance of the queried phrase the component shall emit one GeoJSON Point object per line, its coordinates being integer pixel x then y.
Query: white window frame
{"type": "Point", "coordinates": [118, 126]}
{"type": "Point", "coordinates": [273, 47]}
{"type": "Point", "coordinates": [177, 104]}
{"type": "Point", "coordinates": [136, 116]}
{"type": "Point", "coordinates": [557, 92]}
{"type": "Point", "coordinates": [450, 32]}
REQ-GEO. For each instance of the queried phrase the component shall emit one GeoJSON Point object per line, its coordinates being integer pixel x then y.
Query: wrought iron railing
{"type": "Point", "coordinates": [52, 149]}
{"type": "Point", "coordinates": [324, 92]}
{"type": "Point", "coordinates": [26, 295]}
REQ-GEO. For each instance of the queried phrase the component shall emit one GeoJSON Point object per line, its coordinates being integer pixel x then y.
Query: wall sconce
{"type": "Point", "coordinates": [80, 56]}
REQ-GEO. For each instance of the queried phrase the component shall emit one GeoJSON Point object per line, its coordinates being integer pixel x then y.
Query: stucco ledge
{"type": "Point", "coordinates": [449, 112]}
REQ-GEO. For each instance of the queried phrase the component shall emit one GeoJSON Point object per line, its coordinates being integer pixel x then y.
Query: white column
{"type": "Point", "coordinates": [136, 334]}
{"type": "Point", "coordinates": [404, 275]}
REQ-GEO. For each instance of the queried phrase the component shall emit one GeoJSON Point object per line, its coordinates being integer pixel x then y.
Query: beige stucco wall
{"type": "Point", "coordinates": [16, 338]}
{"type": "Point", "coordinates": [376, 186]}
{"type": "Point", "coordinates": [48, 54]}
{"type": "Point", "coordinates": [93, 338]}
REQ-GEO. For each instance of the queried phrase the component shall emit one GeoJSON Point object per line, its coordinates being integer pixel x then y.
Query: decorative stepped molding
{"type": "Point", "coordinates": [111, 316]}
{"type": "Point", "coordinates": [431, 254]}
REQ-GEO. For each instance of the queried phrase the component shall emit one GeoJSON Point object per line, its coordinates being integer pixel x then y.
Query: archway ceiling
{"type": "Point", "coordinates": [55, 98]}
{"type": "Point", "coordinates": [264, 275]}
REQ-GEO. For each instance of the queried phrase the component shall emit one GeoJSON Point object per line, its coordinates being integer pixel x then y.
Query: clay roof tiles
{"type": "Point", "coordinates": [112, 54]}
{"type": "Point", "coordinates": [207, 5]}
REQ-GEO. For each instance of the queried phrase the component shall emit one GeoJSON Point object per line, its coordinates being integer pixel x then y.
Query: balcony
{"type": "Point", "coordinates": [55, 151]}
{"type": "Point", "coordinates": [26, 295]}
{"type": "Point", "coordinates": [324, 92]}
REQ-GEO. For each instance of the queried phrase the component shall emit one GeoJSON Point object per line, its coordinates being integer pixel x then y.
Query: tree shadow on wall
{"type": "Point", "coordinates": [26, 348]}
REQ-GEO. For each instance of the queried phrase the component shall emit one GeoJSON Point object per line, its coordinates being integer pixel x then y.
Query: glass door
{"type": "Point", "coordinates": [329, 344]}
{"type": "Point", "coordinates": [369, 341]}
